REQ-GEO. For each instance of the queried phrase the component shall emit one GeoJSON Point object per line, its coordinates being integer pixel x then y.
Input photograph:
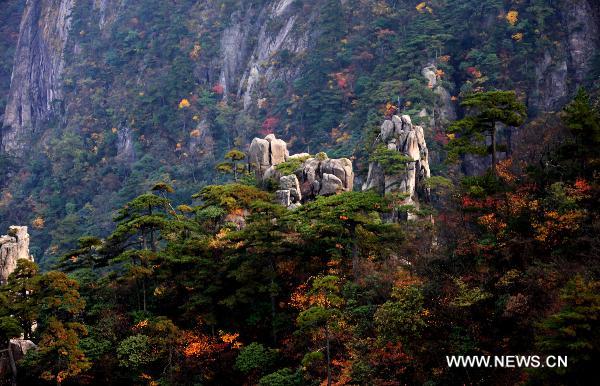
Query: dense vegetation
{"type": "Point", "coordinates": [232, 289]}
{"type": "Point", "coordinates": [143, 100]}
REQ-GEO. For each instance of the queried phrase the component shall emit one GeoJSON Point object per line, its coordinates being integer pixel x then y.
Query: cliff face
{"type": "Point", "coordinates": [13, 247]}
{"type": "Point", "coordinates": [316, 72]}
{"type": "Point", "coordinates": [38, 66]}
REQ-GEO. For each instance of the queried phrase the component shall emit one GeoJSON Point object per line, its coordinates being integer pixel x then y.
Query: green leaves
{"type": "Point", "coordinates": [392, 162]}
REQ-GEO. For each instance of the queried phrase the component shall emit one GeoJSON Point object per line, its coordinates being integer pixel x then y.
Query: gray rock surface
{"type": "Point", "coordinates": [315, 176]}
{"type": "Point", "coordinates": [38, 68]}
{"type": "Point", "coordinates": [13, 246]}
{"type": "Point", "coordinates": [408, 140]}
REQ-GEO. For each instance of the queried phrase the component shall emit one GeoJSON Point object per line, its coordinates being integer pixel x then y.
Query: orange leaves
{"type": "Point", "coordinates": [512, 17]}
{"type": "Point", "coordinates": [556, 226]}
{"type": "Point", "coordinates": [198, 345]}
{"type": "Point", "coordinates": [184, 104]}
{"type": "Point", "coordinates": [492, 223]}
{"type": "Point", "coordinates": [503, 171]}
{"type": "Point", "coordinates": [390, 109]}
{"type": "Point", "coordinates": [581, 190]}
{"type": "Point", "coordinates": [38, 223]}
{"type": "Point", "coordinates": [518, 36]}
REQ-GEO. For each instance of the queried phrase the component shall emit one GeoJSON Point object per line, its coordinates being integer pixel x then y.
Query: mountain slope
{"type": "Point", "coordinates": [95, 111]}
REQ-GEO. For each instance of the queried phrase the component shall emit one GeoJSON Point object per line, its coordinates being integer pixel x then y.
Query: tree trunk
{"type": "Point", "coordinates": [13, 365]}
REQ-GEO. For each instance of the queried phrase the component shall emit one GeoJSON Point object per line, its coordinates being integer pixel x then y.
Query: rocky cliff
{"type": "Point", "coordinates": [93, 106]}
{"type": "Point", "coordinates": [13, 246]}
{"type": "Point", "coordinates": [399, 135]}
{"type": "Point", "coordinates": [36, 84]}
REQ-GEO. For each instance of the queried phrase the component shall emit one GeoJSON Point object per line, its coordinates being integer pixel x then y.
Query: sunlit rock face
{"type": "Point", "coordinates": [13, 246]}
{"type": "Point", "coordinates": [300, 177]}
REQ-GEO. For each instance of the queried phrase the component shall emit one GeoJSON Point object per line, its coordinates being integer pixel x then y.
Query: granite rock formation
{"type": "Point", "coordinates": [13, 246]}
{"type": "Point", "coordinates": [310, 176]}
{"type": "Point", "coordinates": [399, 134]}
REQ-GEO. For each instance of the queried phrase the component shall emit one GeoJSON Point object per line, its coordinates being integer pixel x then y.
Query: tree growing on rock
{"type": "Point", "coordinates": [486, 111]}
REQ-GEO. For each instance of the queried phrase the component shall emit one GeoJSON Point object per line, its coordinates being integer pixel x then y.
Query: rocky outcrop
{"type": "Point", "coordinates": [19, 348]}
{"type": "Point", "coordinates": [443, 110]}
{"type": "Point", "coordinates": [308, 176]}
{"type": "Point", "coordinates": [36, 84]}
{"type": "Point", "coordinates": [583, 36]}
{"type": "Point", "coordinates": [13, 246]}
{"type": "Point", "coordinates": [399, 134]}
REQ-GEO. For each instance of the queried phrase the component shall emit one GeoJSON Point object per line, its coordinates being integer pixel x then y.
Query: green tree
{"type": "Point", "coordinates": [583, 120]}
{"type": "Point", "coordinates": [232, 165]}
{"type": "Point", "coordinates": [324, 311]}
{"type": "Point", "coordinates": [486, 110]}
{"type": "Point", "coordinates": [573, 331]}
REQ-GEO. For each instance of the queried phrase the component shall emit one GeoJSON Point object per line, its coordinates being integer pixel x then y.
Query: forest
{"type": "Point", "coordinates": [161, 253]}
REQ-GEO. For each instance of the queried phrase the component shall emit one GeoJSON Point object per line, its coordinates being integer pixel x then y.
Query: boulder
{"type": "Point", "coordinates": [283, 197]}
{"type": "Point", "coordinates": [279, 152]}
{"type": "Point", "coordinates": [342, 169]}
{"type": "Point", "coordinates": [259, 156]}
{"type": "Point", "coordinates": [330, 185]}
{"type": "Point", "coordinates": [291, 183]}
{"type": "Point", "coordinates": [314, 176]}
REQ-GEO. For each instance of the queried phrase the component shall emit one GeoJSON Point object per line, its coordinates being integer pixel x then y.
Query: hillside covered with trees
{"type": "Point", "coordinates": [463, 138]}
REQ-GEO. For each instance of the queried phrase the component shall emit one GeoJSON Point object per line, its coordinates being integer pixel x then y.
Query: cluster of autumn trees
{"type": "Point", "coordinates": [233, 289]}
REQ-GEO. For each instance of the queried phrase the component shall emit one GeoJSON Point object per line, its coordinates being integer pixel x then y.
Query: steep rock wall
{"type": "Point", "coordinates": [13, 247]}
{"type": "Point", "coordinates": [36, 78]}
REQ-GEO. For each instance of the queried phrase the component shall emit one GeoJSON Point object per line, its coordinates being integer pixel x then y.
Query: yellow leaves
{"type": "Point", "coordinates": [451, 136]}
{"type": "Point", "coordinates": [38, 223]}
{"type": "Point", "coordinates": [195, 53]}
{"type": "Point", "coordinates": [422, 7]}
{"type": "Point", "coordinates": [518, 36]}
{"type": "Point", "coordinates": [512, 17]}
{"type": "Point", "coordinates": [184, 104]}
{"type": "Point", "coordinates": [503, 169]}
{"type": "Point", "coordinates": [114, 130]}
{"type": "Point", "coordinates": [557, 225]}
{"type": "Point", "coordinates": [159, 291]}
{"type": "Point", "coordinates": [440, 73]}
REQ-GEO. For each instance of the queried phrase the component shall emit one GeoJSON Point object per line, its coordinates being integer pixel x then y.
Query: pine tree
{"type": "Point", "coordinates": [486, 110]}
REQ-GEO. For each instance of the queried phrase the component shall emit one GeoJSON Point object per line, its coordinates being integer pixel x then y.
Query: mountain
{"type": "Point", "coordinates": [107, 97]}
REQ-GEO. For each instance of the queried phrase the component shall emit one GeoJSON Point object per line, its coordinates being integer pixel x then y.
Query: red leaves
{"type": "Point", "coordinates": [218, 89]}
